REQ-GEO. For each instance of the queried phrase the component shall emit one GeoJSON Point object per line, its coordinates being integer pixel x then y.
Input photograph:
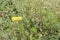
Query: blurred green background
{"type": "Point", "coordinates": [41, 20]}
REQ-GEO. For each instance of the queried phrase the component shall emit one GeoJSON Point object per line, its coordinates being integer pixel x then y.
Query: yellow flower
{"type": "Point", "coordinates": [16, 18]}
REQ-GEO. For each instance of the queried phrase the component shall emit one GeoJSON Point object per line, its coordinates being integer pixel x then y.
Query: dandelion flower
{"type": "Point", "coordinates": [16, 18]}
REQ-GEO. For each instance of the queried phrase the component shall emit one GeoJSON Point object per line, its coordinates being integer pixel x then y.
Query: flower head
{"type": "Point", "coordinates": [16, 18]}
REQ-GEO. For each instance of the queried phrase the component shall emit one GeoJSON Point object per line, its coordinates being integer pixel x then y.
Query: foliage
{"type": "Point", "coordinates": [40, 20]}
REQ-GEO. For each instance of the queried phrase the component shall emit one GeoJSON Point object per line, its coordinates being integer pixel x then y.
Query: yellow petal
{"type": "Point", "coordinates": [16, 18]}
